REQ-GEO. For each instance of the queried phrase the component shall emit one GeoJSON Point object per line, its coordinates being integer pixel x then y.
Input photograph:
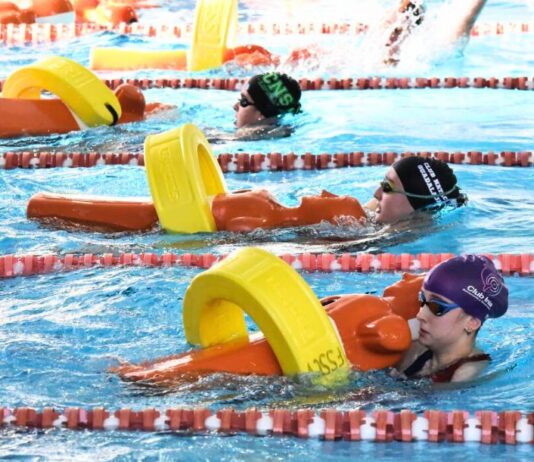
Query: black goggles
{"type": "Point", "coordinates": [244, 102]}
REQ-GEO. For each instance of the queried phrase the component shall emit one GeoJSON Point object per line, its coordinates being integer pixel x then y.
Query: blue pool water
{"type": "Point", "coordinates": [61, 332]}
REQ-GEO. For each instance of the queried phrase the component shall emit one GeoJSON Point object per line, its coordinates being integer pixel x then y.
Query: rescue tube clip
{"type": "Point", "coordinates": [182, 174]}
{"type": "Point", "coordinates": [280, 302]}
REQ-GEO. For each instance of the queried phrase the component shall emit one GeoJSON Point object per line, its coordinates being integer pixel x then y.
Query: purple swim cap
{"type": "Point", "coordinates": [472, 282]}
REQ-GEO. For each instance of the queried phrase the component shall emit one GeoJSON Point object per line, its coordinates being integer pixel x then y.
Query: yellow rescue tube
{"type": "Point", "coordinates": [277, 298]}
{"type": "Point", "coordinates": [182, 174]}
{"type": "Point", "coordinates": [215, 30]}
{"type": "Point", "coordinates": [125, 59]}
{"type": "Point", "coordinates": [81, 90]}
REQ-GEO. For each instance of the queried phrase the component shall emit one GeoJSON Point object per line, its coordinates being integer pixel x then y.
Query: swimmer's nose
{"type": "Point", "coordinates": [236, 107]}
{"type": "Point", "coordinates": [378, 193]}
{"type": "Point", "coordinates": [422, 313]}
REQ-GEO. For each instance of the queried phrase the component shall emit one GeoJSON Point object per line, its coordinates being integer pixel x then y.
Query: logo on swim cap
{"type": "Point", "coordinates": [276, 91]}
{"type": "Point", "coordinates": [491, 283]}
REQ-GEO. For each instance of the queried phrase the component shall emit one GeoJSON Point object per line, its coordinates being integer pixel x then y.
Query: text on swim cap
{"type": "Point", "coordinates": [478, 295]}
{"type": "Point", "coordinates": [432, 182]}
{"type": "Point", "coordinates": [276, 91]}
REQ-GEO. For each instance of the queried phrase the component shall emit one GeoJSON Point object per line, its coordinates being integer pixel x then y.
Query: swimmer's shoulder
{"type": "Point", "coordinates": [471, 369]}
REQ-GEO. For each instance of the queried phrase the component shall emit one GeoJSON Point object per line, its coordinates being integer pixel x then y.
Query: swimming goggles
{"type": "Point", "coordinates": [437, 307]}
{"type": "Point", "coordinates": [388, 188]}
{"type": "Point", "coordinates": [244, 102]}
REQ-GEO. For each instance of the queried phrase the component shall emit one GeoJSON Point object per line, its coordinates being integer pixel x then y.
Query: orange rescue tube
{"type": "Point", "coordinates": [373, 334]}
{"type": "Point", "coordinates": [98, 213]}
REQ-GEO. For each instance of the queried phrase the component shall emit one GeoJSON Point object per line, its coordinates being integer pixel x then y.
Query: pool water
{"type": "Point", "coordinates": [61, 332]}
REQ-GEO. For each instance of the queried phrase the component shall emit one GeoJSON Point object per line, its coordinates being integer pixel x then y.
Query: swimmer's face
{"type": "Point", "coordinates": [393, 206]}
{"type": "Point", "coordinates": [245, 111]}
{"type": "Point", "coordinates": [440, 332]}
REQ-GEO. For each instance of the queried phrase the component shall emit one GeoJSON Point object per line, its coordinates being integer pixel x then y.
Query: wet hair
{"type": "Point", "coordinates": [275, 94]}
{"type": "Point", "coordinates": [432, 180]}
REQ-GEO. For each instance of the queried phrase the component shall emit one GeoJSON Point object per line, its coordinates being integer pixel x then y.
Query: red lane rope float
{"type": "Point", "coordinates": [17, 34]}
{"type": "Point", "coordinates": [356, 83]}
{"type": "Point", "coordinates": [29, 265]}
{"type": "Point", "coordinates": [256, 162]}
{"type": "Point", "coordinates": [486, 427]}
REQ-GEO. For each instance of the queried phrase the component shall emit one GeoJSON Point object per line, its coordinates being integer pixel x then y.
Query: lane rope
{"type": "Point", "coordinates": [486, 427]}
{"type": "Point", "coordinates": [244, 162]}
{"type": "Point", "coordinates": [334, 83]}
{"type": "Point", "coordinates": [31, 264]}
{"type": "Point", "coordinates": [19, 34]}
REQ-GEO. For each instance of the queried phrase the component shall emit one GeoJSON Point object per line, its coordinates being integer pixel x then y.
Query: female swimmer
{"type": "Point", "coordinates": [457, 297]}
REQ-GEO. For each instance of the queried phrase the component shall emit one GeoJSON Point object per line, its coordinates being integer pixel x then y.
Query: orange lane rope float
{"type": "Point", "coordinates": [31, 264]}
{"type": "Point", "coordinates": [509, 427]}
{"type": "Point", "coordinates": [16, 29]}
{"type": "Point", "coordinates": [244, 162]}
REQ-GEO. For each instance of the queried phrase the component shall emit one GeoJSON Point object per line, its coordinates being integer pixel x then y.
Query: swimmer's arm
{"type": "Point", "coordinates": [458, 19]}
{"type": "Point", "coordinates": [469, 371]}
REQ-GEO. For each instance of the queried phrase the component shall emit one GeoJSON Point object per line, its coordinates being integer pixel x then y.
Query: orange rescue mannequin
{"type": "Point", "coordinates": [373, 334]}
{"type": "Point", "coordinates": [46, 116]}
{"type": "Point", "coordinates": [239, 211]}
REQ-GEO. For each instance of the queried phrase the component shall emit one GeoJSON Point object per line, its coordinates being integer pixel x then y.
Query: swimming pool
{"type": "Point", "coordinates": [62, 331]}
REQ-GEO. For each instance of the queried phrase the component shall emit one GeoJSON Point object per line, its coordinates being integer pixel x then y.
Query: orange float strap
{"type": "Point", "coordinates": [30, 264]}
{"type": "Point", "coordinates": [510, 427]}
{"type": "Point", "coordinates": [244, 162]}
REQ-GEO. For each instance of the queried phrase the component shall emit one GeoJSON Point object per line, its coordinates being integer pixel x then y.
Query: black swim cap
{"type": "Point", "coordinates": [275, 94]}
{"type": "Point", "coordinates": [431, 178]}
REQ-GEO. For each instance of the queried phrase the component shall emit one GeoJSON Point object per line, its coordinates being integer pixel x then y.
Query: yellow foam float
{"type": "Point", "coordinates": [214, 31]}
{"type": "Point", "coordinates": [81, 90]}
{"type": "Point", "coordinates": [182, 174]}
{"type": "Point", "coordinates": [279, 301]}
